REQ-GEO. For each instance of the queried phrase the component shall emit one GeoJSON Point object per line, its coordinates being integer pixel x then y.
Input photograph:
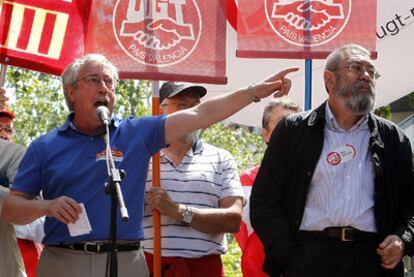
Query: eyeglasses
{"type": "Point", "coordinates": [180, 105]}
{"type": "Point", "coordinates": [8, 130]}
{"type": "Point", "coordinates": [95, 81]}
{"type": "Point", "coordinates": [359, 69]}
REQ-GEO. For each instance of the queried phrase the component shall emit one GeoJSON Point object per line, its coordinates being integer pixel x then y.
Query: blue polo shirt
{"type": "Point", "coordinates": [67, 162]}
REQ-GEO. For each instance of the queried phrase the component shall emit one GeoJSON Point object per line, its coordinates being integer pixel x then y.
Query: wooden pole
{"type": "Point", "coordinates": [156, 217]}
{"type": "Point", "coordinates": [3, 75]}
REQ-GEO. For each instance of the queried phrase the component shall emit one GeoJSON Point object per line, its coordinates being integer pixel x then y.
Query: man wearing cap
{"type": "Point", "coordinates": [6, 118]}
{"type": "Point", "coordinates": [200, 197]}
{"type": "Point", "coordinates": [6, 125]}
{"type": "Point", "coordinates": [11, 154]}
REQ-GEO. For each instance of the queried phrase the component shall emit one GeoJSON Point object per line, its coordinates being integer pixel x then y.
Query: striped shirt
{"type": "Point", "coordinates": [206, 175]}
{"type": "Point", "coordinates": [341, 192]}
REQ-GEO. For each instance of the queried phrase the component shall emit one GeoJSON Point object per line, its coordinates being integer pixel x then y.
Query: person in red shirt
{"type": "Point", "coordinates": [250, 244]}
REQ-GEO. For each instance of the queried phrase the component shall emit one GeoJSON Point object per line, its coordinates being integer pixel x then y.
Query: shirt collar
{"type": "Point", "coordinates": [333, 125]}
{"type": "Point", "coordinates": [69, 123]}
{"type": "Point", "coordinates": [196, 149]}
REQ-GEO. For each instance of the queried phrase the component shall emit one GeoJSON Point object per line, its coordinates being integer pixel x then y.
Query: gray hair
{"type": "Point", "coordinates": [284, 102]}
{"type": "Point", "coordinates": [334, 58]}
{"type": "Point", "coordinates": [71, 72]}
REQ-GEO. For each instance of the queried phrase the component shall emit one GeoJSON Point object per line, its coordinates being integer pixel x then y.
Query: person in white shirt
{"type": "Point", "coordinates": [200, 198]}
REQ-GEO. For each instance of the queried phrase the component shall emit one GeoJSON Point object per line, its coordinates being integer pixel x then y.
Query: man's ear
{"type": "Point", "coordinates": [266, 135]}
{"type": "Point", "coordinates": [330, 80]}
{"type": "Point", "coordinates": [70, 90]}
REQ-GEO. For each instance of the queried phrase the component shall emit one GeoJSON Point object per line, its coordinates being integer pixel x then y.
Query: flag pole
{"type": "Point", "coordinates": [3, 75]}
{"type": "Point", "coordinates": [308, 66]}
{"type": "Point", "coordinates": [308, 84]}
{"type": "Point", "coordinates": [156, 217]}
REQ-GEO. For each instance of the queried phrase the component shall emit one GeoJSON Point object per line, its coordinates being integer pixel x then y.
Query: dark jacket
{"type": "Point", "coordinates": [279, 193]}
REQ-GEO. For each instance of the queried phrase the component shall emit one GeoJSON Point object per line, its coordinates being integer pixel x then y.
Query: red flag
{"type": "Point", "coordinates": [161, 39]}
{"type": "Point", "coordinates": [146, 39]}
{"type": "Point", "coordinates": [30, 253]}
{"type": "Point", "coordinates": [250, 244]}
{"type": "Point", "coordinates": [303, 28]}
{"type": "Point", "coordinates": [42, 35]}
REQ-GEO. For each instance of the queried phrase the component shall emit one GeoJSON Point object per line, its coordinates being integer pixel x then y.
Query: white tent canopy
{"type": "Point", "coordinates": [395, 63]}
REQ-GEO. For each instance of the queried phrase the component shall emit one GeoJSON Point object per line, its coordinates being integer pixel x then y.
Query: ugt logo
{"type": "Point", "coordinates": [157, 32]}
{"type": "Point", "coordinates": [308, 22]}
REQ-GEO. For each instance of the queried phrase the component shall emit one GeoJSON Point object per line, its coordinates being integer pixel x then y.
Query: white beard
{"type": "Point", "coordinates": [355, 101]}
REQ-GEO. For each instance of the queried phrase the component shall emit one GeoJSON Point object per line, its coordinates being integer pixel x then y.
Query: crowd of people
{"type": "Point", "coordinates": [333, 195]}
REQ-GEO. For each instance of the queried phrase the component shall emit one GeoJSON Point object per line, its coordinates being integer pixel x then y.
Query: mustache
{"type": "Point", "coordinates": [364, 84]}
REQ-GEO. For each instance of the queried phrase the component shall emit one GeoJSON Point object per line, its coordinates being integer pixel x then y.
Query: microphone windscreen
{"type": "Point", "coordinates": [103, 113]}
{"type": "Point", "coordinates": [102, 110]}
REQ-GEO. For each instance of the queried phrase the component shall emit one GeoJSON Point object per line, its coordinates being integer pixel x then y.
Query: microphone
{"type": "Point", "coordinates": [103, 113]}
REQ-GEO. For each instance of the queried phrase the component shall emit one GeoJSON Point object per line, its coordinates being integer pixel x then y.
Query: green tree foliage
{"type": "Point", "coordinates": [40, 107]}
{"type": "Point", "coordinates": [231, 260]}
{"type": "Point", "coordinates": [411, 99]}
{"type": "Point", "coordinates": [133, 98]}
{"type": "Point", "coordinates": [247, 148]}
{"type": "Point", "coordinates": [384, 112]}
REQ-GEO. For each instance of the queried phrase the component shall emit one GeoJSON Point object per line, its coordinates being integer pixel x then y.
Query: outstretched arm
{"type": "Point", "coordinates": [219, 108]}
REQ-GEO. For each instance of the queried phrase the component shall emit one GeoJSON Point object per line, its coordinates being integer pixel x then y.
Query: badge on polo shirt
{"type": "Point", "coordinates": [117, 154]}
{"type": "Point", "coordinates": [341, 155]}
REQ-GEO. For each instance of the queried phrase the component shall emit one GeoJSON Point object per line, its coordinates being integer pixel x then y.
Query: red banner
{"type": "Point", "coordinates": [146, 39]}
{"type": "Point", "coordinates": [42, 35]}
{"type": "Point", "coordinates": [306, 29]}
{"type": "Point", "coordinates": [161, 39]}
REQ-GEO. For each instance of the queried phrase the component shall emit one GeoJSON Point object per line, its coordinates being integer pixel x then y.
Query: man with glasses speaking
{"type": "Point", "coordinates": [69, 166]}
{"type": "Point", "coordinates": [334, 193]}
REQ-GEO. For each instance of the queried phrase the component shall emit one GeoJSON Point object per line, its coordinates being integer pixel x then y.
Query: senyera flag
{"type": "Point", "coordinates": [303, 29]}
{"type": "Point", "coordinates": [146, 39]}
{"type": "Point", "coordinates": [252, 248]}
{"type": "Point", "coordinates": [42, 35]}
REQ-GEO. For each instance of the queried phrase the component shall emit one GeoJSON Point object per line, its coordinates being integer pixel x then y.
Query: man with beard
{"type": "Point", "coordinates": [334, 193]}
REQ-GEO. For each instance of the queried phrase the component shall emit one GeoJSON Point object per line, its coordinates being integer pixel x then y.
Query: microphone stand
{"type": "Point", "coordinates": [114, 190]}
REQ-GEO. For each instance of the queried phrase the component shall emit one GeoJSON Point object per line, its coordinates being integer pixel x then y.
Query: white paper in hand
{"type": "Point", "coordinates": [82, 225]}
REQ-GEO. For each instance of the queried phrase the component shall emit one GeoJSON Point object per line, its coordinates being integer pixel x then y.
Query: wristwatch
{"type": "Point", "coordinates": [252, 95]}
{"type": "Point", "coordinates": [187, 216]}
